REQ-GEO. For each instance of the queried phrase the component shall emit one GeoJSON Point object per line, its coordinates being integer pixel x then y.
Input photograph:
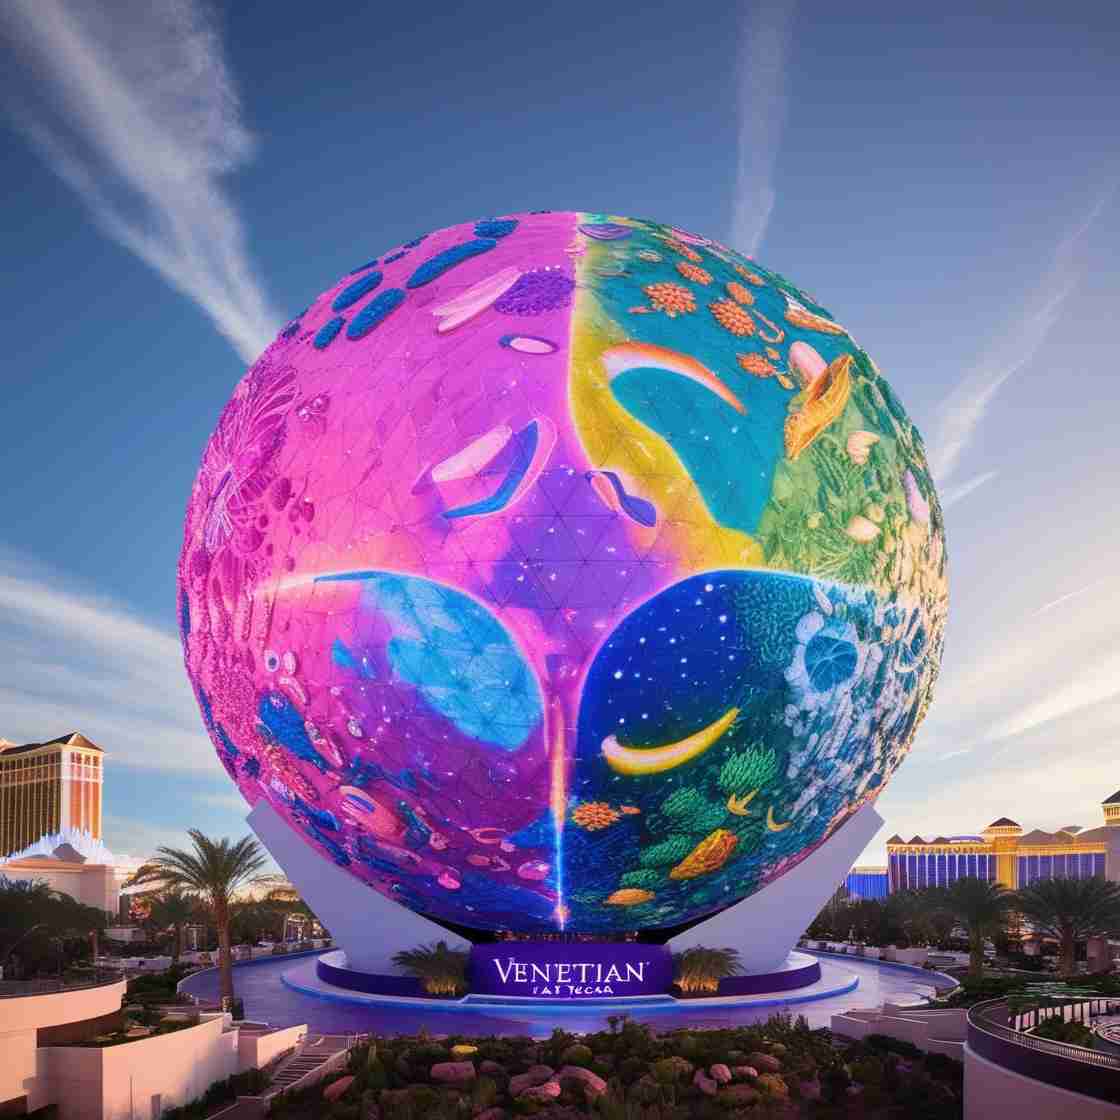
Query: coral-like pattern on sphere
{"type": "Point", "coordinates": [563, 571]}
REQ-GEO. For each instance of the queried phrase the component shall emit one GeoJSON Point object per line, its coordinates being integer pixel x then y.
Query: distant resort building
{"type": "Point", "coordinates": [50, 820]}
{"type": "Point", "coordinates": [1005, 853]}
{"type": "Point", "coordinates": [867, 882]}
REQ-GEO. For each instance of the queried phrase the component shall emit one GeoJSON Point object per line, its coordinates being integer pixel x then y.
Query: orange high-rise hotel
{"type": "Point", "coordinates": [47, 788]}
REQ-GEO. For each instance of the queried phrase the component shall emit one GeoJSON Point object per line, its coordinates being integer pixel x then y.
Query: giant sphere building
{"type": "Point", "coordinates": [563, 571]}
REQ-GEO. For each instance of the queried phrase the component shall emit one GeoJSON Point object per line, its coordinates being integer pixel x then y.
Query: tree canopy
{"type": "Point", "coordinates": [38, 923]}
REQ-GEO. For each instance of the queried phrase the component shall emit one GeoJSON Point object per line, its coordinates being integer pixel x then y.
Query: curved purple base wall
{"type": "Point", "coordinates": [800, 977]}
{"type": "Point", "coordinates": [368, 982]}
{"type": "Point", "coordinates": [569, 972]}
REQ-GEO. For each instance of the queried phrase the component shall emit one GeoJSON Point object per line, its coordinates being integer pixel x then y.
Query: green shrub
{"type": "Point", "coordinates": [886, 1044]}
{"type": "Point", "coordinates": [376, 1076]}
{"type": "Point", "coordinates": [576, 1055]}
{"type": "Point", "coordinates": [868, 1071]}
{"type": "Point", "coordinates": [1058, 1031]}
{"type": "Point", "coordinates": [943, 1068]}
{"type": "Point", "coordinates": [485, 1094]}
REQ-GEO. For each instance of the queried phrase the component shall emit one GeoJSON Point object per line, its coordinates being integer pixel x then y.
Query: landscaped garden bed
{"type": "Point", "coordinates": [779, 1068]}
{"type": "Point", "coordinates": [1023, 992]}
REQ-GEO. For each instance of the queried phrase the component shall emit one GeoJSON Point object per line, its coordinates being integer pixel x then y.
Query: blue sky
{"type": "Point", "coordinates": [180, 179]}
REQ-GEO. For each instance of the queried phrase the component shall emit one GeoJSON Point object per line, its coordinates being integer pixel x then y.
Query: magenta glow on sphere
{"type": "Point", "coordinates": [563, 571]}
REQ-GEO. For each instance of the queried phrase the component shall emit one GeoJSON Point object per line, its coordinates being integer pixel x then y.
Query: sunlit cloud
{"type": "Point", "coordinates": [131, 104]}
{"type": "Point", "coordinates": [75, 661]}
{"type": "Point", "coordinates": [764, 47]}
{"type": "Point", "coordinates": [1019, 340]}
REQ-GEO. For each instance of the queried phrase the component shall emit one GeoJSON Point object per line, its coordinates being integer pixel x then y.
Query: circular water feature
{"type": "Point", "coordinates": [270, 998]}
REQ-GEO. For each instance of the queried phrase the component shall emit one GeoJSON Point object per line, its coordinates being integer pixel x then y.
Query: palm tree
{"type": "Point", "coordinates": [700, 969]}
{"type": "Point", "coordinates": [1071, 910]}
{"type": "Point", "coordinates": [982, 908]}
{"type": "Point", "coordinates": [441, 970]}
{"type": "Point", "coordinates": [173, 908]}
{"type": "Point", "coordinates": [214, 872]}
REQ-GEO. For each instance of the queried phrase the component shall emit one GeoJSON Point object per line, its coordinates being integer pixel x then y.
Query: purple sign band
{"type": "Point", "coordinates": [577, 970]}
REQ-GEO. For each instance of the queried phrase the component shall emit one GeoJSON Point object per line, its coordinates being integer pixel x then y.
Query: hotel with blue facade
{"type": "Point", "coordinates": [1003, 853]}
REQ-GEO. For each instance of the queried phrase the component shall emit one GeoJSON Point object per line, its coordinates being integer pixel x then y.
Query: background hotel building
{"type": "Point", "coordinates": [50, 820]}
{"type": "Point", "coordinates": [868, 882]}
{"type": "Point", "coordinates": [1006, 854]}
{"type": "Point", "coordinates": [47, 788]}
{"type": "Point", "coordinates": [1003, 853]}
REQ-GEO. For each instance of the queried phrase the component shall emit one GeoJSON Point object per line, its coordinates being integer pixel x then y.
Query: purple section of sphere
{"type": "Point", "coordinates": [576, 970]}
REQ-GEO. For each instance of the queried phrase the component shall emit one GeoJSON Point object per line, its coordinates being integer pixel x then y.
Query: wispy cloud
{"type": "Point", "coordinates": [765, 39]}
{"type": "Point", "coordinates": [1018, 342]}
{"type": "Point", "coordinates": [953, 494]}
{"type": "Point", "coordinates": [74, 661]}
{"type": "Point", "coordinates": [131, 104]}
{"type": "Point", "coordinates": [1089, 685]}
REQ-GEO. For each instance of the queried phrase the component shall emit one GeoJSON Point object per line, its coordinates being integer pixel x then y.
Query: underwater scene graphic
{"type": "Point", "coordinates": [563, 571]}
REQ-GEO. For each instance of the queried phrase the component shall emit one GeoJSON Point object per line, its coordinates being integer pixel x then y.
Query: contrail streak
{"type": "Point", "coordinates": [765, 42]}
{"type": "Point", "coordinates": [131, 104]}
{"type": "Point", "coordinates": [1018, 342]}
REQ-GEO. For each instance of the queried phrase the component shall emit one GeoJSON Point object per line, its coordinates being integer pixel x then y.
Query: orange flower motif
{"type": "Point", "coordinates": [693, 272]}
{"type": "Point", "coordinates": [738, 293]}
{"type": "Point", "coordinates": [594, 815]}
{"type": "Point", "coordinates": [670, 298]}
{"type": "Point", "coordinates": [685, 251]}
{"type": "Point", "coordinates": [732, 317]}
{"type": "Point", "coordinates": [756, 364]}
{"type": "Point", "coordinates": [772, 353]}
{"type": "Point", "coordinates": [750, 277]}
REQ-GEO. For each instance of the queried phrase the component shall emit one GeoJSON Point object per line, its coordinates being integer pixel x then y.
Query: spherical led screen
{"type": "Point", "coordinates": [563, 571]}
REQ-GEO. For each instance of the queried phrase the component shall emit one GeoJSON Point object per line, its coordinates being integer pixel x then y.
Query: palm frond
{"type": "Point", "coordinates": [441, 969]}
{"type": "Point", "coordinates": [1077, 908]}
{"type": "Point", "coordinates": [700, 969]}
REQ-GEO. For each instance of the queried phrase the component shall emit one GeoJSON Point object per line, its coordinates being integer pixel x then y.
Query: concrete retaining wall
{"type": "Point", "coordinates": [138, 1080]}
{"type": "Point", "coordinates": [255, 1051]}
{"type": "Point", "coordinates": [992, 1091]}
{"type": "Point", "coordinates": [23, 1066]}
{"type": "Point", "coordinates": [940, 1031]}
